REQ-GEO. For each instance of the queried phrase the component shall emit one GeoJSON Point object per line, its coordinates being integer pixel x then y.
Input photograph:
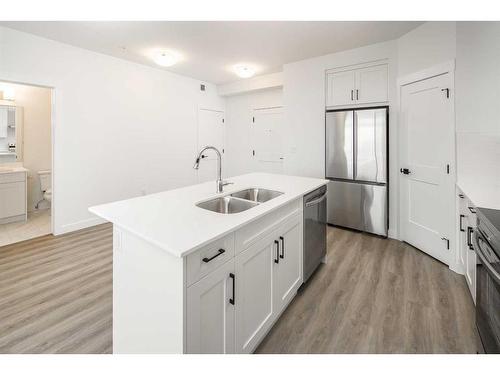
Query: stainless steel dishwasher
{"type": "Point", "coordinates": [314, 230]}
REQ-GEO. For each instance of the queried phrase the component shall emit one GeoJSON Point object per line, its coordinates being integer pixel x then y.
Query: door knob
{"type": "Point", "coordinates": [405, 171]}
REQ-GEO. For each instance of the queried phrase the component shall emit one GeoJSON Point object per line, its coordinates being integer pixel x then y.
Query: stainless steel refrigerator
{"type": "Point", "coordinates": [356, 165]}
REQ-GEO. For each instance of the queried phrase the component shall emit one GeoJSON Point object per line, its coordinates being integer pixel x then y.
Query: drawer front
{"type": "Point", "coordinates": [203, 261]}
{"type": "Point", "coordinates": [12, 199]}
{"type": "Point", "coordinates": [12, 177]}
{"type": "Point", "coordinates": [252, 232]}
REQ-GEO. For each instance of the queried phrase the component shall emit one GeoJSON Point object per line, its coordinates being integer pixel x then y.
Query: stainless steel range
{"type": "Point", "coordinates": [486, 241]}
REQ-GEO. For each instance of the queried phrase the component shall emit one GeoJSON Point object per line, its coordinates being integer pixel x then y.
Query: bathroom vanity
{"type": "Point", "coordinates": [200, 272]}
{"type": "Point", "coordinates": [13, 206]}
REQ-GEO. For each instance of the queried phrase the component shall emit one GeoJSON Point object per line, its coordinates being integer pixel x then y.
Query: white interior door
{"type": "Point", "coordinates": [267, 140]}
{"type": "Point", "coordinates": [211, 132]}
{"type": "Point", "coordinates": [426, 149]}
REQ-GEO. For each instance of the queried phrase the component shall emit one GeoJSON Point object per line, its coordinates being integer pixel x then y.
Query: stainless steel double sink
{"type": "Point", "coordinates": [239, 201]}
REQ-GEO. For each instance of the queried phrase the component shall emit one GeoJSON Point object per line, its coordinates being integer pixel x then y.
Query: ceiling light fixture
{"type": "Point", "coordinates": [244, 71]}
{"type": "Point", "coordinates": [166, 58]}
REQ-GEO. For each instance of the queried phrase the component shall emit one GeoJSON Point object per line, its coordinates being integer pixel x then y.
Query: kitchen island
{"type": "Point", "coordinates": [187, 279]}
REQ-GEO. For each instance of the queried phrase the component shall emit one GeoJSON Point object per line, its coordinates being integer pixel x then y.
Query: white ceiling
{"type": "Point", "coordinates": [210, 49]}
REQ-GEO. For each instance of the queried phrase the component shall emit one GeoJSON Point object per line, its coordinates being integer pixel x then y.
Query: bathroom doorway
{"type": "Point", "coordinates": [25, 162]}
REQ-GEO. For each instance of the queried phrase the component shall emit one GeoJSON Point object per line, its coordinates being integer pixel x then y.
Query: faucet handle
{"type": "Point", "coordinates": [224, 183]}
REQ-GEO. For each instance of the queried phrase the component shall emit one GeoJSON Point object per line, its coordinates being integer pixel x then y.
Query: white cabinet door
{"type": "Point", "coordinates": [470, 270]}
{"type": "Point", "coordinates": [287, 278]}
{"type": "Point", "coordinates": [371, 84]}
{"type": "Point", "coordinates": [210, 312]}
{"type": "Point", "coordinates": [340, 88]}
{"type": "Point", "coordinates": [254, 293]}
{"type": "Point", "coordinates": [12, 199]}
{"type": "Point", "coordinates": [462, 231]}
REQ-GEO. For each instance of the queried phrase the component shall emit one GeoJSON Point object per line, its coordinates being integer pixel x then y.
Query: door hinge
{"type": "Point", "coordinates": [447, 92]}
{"type": "Point", "coordinates": [447, 242]}
{"type": "Point", "coordinates": [253, 152]}
{"type": "Point", "coordinates": [447, 168]}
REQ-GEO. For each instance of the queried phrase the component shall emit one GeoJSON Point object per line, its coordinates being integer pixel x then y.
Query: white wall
{"type": "Point", "coordinates": [239, 112]}
{"type": "Point", "coordinates": [120, 128]}
{"type": "Point", "coordinates": [304, 100]}
{"type": "Point", "coordinates": [429, 44]}
{"type": "Point", "coordinates": [478, 109]}
{"type": "Point", "coordinates": [37, 143]}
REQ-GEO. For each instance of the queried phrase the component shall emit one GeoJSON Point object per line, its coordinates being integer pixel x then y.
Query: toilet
{"type": "Point", "coordinates": [46, 184]}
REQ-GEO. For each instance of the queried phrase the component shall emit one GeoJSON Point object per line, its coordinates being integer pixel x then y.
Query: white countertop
{"type": "Point", "coordinates": [172, 221]}
{"type": "Point", "coordinates": [484, 195]}
{"type": "Point", "coordinates": [13, 169]}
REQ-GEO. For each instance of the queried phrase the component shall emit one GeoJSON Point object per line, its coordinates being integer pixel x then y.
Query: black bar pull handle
{"type": "Point", "coordinates": [221, 251]}
{"type": "Point", "coordinates": [352, 94]}
{"type": "Point", "coordinates": [404, 170]}
{"type": "Point", "coordinates": [469, 237]}
{"type": "Point", "coordinates": [461, 221]}
{"type": "Point", "coordinates": [282, 255]}
{"type": "Point", "coordinates": [472, 209]}
{"type": "Point", "coordinates": [231, 300]}
{"type": "Point", "coordinates": [277, 260]}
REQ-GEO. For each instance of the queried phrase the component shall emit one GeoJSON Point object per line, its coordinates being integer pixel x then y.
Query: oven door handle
{"type": "Point", "coordinates": [487, 264]}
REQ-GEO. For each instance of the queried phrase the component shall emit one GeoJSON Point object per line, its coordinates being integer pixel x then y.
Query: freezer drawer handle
{"type": "Point", "coordinates": [316, 201]}
{"type": "Point", "coordinates": [405, 171]}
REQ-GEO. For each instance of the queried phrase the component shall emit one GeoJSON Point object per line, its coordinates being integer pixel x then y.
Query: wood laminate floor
{"type": "Point", "coordinates": [377, 296]}
{"type": "Point", "coordinates": [372, 296]}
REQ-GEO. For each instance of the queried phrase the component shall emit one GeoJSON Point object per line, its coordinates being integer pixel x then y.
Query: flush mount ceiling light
{"type": "Point", "coordinates": [166, 58]}
{"type": "Point", "coordinates": [244, 71]}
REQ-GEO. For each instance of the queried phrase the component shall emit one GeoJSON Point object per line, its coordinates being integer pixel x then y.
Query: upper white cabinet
{"type": "Point", "coordinates": [357, 86]}
{"type": "Point", "coordinates": [340, 88]}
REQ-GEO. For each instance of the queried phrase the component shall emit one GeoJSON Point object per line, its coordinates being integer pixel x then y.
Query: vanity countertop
{"type": "Point", "coordinates": [13, 169]}
{"type": "Point", "coordinates": [172, 221]}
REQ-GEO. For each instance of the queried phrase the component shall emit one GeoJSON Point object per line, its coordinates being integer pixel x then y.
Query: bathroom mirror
{"type": "Point", "coordinates": [11, 132]}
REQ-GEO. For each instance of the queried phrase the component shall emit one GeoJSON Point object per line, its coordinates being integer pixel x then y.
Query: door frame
{"type": "Point", "coordinates": [447, 67]}
{"type": "Point", "coordinates": [197, 146]}
{"type": "Point", "coordinates": [53, 117]}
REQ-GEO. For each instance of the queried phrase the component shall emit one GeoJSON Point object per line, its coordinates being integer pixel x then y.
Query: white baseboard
{"type": "Point", "coordinates": [391, 233]}
{"type": "Point", "coordinates": [82, 224]}
{"type": "Point", "coordinates": [457, 267]}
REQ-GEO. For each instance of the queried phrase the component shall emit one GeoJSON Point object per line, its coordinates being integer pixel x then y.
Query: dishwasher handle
{"type": "Point", "coordinates": [316, 201]}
